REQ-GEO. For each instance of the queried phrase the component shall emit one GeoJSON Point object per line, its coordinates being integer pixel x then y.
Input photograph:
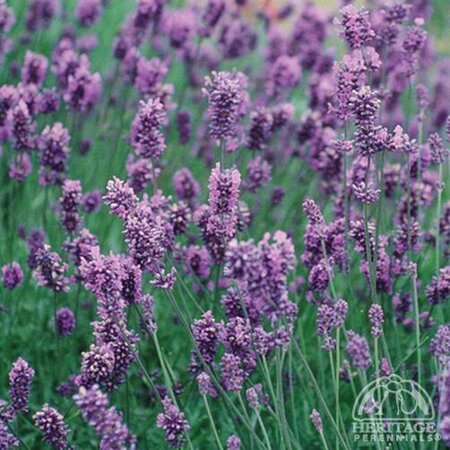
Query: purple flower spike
{"type": "Point", "coordinates": [146, 136]}
{"type": "Point", "coordinates": [19, 385]}
{"type": "Point", "coordinates": [51, 423]}
{"type": "Point", "coordinates": [376, 318]}
{"type": "Point", "coordinates": [120, 198]}
{"type": "Point", "coordinates": [172, 421]}
{"type": "Point", "coordinates": [226, 97]}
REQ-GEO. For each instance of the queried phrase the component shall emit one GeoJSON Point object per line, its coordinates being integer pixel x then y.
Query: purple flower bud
{"type": "Point", "coordinates": [88, 11]}
{"type": "Point", "coordinates": [91, 201]}
{"type": "Point", "coordinates": [84, 89]}
{"type": "Point", "coordinates": [212, 13]}
{"type": "Point", "coordinates": [438, 151]}
{"type": "Point", "coordinates": [259, 174]}
{"type": "Point", "coordinates": [34, 68]}
{"type": "Point", "coordinates": [12, 275]}
{"type": "Point", "coordinates": [40, 13]}
{"type": "Point", "coordinates": [69, 203]}
{"type": "Point", "coordinates": [65, 321]}
{"type": "Point", "coordinates": [284, 75]}
{"type": "Point", "coordinates": [261, 128]}
{"type": "Point", "coordinates": [185, 185]}
{"type": "Point", "coordinates": [376, 318]}
{"type": "Point", "coordinates": [184, 126]}
{"type": "Point", "coordinates": [205, 386]}
{"type": "Point", "coordinates": [53, 145]}
{"type": "Point", "coordinates": [358, 350]}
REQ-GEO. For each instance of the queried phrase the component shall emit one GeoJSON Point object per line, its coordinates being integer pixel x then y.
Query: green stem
{"type": "Point", "coordinates": [213, 425]}
{"type": "Point", "coordinates": [417, 326]}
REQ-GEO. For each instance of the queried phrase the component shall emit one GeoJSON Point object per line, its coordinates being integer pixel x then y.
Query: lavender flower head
{"type": "Point", "coordinates": [233, 443]}
{"type": "Point", "coordinates": [146, 136]}
{"type": "Point", "coordinates": [84, 89]}
{"type": "Point", "coordinates": [440, 345]}
{"type": "Point", "coordinates": [7, 18]}
{"type": "Point", "coordinates": [284, 74]}
{"type": "Point", "coordinates": [65, 321]}
{"type": "Point", "coordinates": [365, 194]}
{"type": "Point", "coordinates": [34, 68]}
{"type": "Point", "coordinates": [226, 97]}
{"type": "Point", "coordinates": [355, 26]}
{"type": "Point", "coordinates": [69, 203]}
{"type": "Point", "coordinates": [438, 151]}
{"type": "Point", "coordinates": [91, 201]}
{"type": "Point", "coordinates": [51, 423]}
{"type": "Point", "coordinates": [205, 385]}
{"type": "Point", "coordinates": [50, 270]}
{"type": "Point", "coordinates": [172, 421]}
{"type": "Point", "coordinates": [53, 145]}
{"type": "Point", "coordinates": [88, 11]}
{"type": "Point", "coordinates": [19, 385]}
{"type": "Point", "coordinates": [12, 275]}
{"type": "Point", "coordinates": [120, 198]}
{"type": "Point", "coordinates": [358, 350]}
{"type": "Point", "coordinates": [316, 420]}
{"type": "Point", "coordinates": [376, 318]}
{"type": "Point", "coordinates": [185, 185]}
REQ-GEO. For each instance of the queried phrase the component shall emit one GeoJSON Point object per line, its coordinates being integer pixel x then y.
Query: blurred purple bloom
{"type": "Point", "coordinates": [12, 275]}
{"type": "Point", "coordinates": [88, 11]}
{"type": "Point", "coordinates": [65, 321]}
{"type": "Point", "coordinates": [34, 68]}
{"type": "Point", "coordinates": [106, 421]}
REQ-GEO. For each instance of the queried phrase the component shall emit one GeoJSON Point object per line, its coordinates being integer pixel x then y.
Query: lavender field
{"type": "Point", "coordinates": [224, 224]}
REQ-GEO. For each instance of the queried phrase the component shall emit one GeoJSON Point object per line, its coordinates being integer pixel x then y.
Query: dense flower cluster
{"type": "Point", "coordinates": [260, 163]}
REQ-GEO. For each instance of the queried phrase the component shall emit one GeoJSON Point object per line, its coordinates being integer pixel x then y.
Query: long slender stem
{"type": "Point", "coordinates": [213, 425]}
